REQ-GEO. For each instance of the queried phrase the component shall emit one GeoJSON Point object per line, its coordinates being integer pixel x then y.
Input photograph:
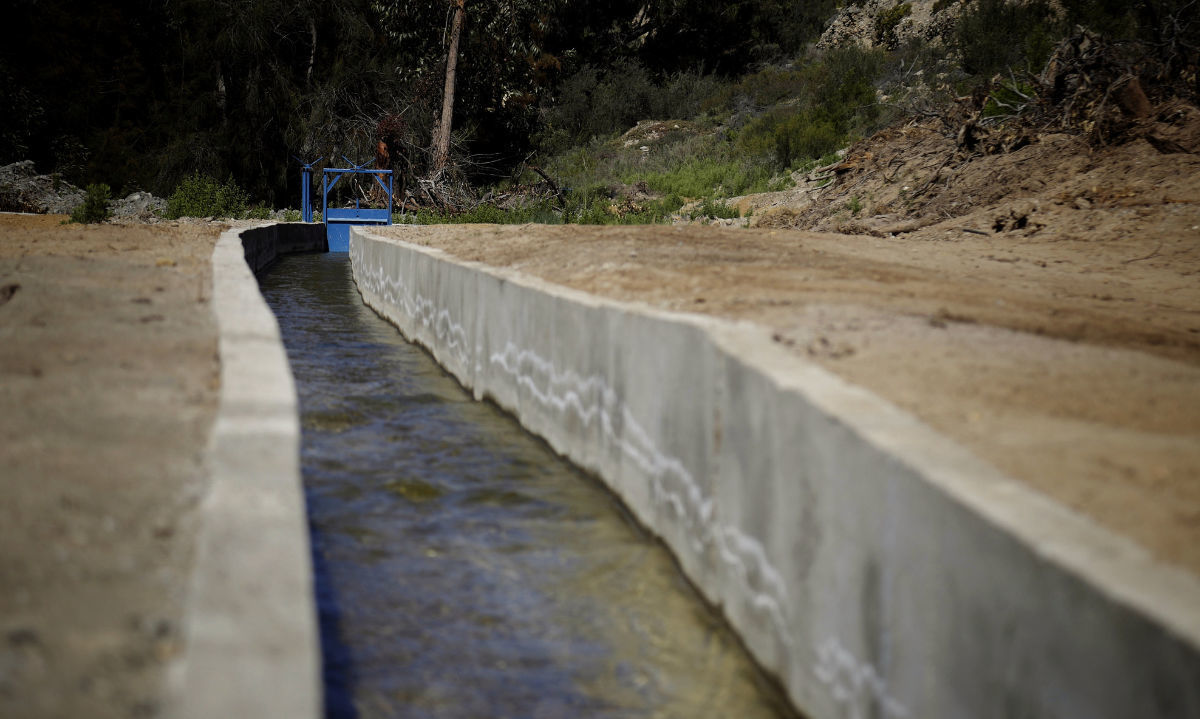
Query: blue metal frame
{"type": "Point", "coordinates": [339, 219]}
{"type": "Point", "coordinates": [306, 170]}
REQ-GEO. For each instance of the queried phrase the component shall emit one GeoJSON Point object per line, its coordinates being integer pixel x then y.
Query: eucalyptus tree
{"type": "Point", "coordinates": [490, 55]}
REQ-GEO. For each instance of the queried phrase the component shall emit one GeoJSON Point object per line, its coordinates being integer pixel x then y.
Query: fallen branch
{"type": "Point", "coordinates": [1139, 259]}
{"type": "Point", "coordinates": [557, 192]}
{"type": "Point", "coordinates": [925, 188]}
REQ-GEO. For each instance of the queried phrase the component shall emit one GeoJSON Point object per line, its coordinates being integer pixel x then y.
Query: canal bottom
{"type": "Point", "coordinates": [463, 569]}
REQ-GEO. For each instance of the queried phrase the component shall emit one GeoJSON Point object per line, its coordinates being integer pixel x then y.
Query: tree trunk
{"type": "Point", "coordinates": [312, 54]}
{"type": "Point", "coordinates": [441, 134]}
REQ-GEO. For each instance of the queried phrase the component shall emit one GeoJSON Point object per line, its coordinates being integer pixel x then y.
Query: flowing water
{"type": "Point", "coordinates": [464, 569]}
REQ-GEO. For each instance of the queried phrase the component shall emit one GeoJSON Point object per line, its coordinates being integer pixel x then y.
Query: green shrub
{"type": "Point", "coordinates": [202, 196]}
{"type": "Point", "coordinates": [542, 212]}
{"type": "Point", "coordinates": [1121, 19]}
{"type": "Point", "coordinates": [593, 103]}
{"type": "Point", "coordinates": [760, 89]}
{"type": "Point", "coordinates": [839, 103]}
{"type": "Point", "coordinates": [1169, 27]}
{"type": "Point", "coordinates": [95, 205]}
{"type": "Point", "coordinates": [671, 203]}
{"type": "Point", "coordinates": [887, 21]}
{"type": "Point", "coordinates": [805, 137]}
{"type": "Point", "coordinates": [995, 35]}
{"type": "Point", "coordinates": [708, 176]}
{"type": "Point", "coordinates": [258, 212]}
{"type": "Point", "coordinates": [718, 209]}
{"type": "Point", "coordinates": [292, 216]}
{"type": "Point", "coordinates": [682, 95]}
{"type": "Point", "coordinates": [590, 205]}
{"type": "Point", "coordinates": [1009, 99]}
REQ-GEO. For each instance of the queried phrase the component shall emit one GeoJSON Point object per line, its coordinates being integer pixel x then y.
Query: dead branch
{"type": "Point", "coordinates": [1139, 259]}
{"type": "Point", "coordinates": [925, 188]}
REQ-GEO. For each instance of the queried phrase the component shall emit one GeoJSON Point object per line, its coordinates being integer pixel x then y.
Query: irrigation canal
{"type": "Point", "coordinates": [465, 570]}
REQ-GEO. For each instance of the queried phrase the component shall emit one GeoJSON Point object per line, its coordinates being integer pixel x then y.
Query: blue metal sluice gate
{"type": "Point", "coordinates": [339, 219]}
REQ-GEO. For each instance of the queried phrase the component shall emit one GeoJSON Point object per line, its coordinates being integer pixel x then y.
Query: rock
{"type": "Point", "coordinates": [23, 190]}
{"type": "Point", "coordinates": [1177, 130]}
{"type": "Point", "coordinates": [138, 206]}
{"type": "Point", "coordinates": [858, 23]}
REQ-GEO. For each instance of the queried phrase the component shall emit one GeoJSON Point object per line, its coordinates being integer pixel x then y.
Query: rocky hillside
{"type": "Point", "coordinates": [1084, 152]}
{"type": "Point", "coordinates": [887, 23]}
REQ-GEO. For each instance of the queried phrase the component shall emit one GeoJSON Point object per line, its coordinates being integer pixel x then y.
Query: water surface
{"type": "Point", "coordinates": [465, 570]}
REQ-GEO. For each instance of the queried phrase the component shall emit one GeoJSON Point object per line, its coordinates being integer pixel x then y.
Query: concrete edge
{"type": "Point", "coordinates": [931, 584]}
{"type": "Point", "coordinates": [251, 644]}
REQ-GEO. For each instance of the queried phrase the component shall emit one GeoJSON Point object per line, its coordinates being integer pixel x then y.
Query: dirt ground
{"type": "Point", "coordinates": [1040, 305]}
{"type": "Point", "coordinates": [1064, 348]}
{"type": "Point", "coordinates": [108, 379]}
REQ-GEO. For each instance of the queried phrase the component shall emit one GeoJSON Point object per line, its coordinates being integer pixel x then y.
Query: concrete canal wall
{"type": "Point", "coordinates": [263, 245]}
{"type": "Point", "coordinates": [877, 569]}
{"type": "Point", "coordinates": [250, 628]}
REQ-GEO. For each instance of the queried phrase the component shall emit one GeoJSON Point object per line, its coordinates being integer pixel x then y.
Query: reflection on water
{"type": "Point", "coordinates": [463, 569]}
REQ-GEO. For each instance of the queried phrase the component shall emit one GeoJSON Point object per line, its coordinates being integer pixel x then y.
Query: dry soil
{"type": "Point", "coordinates": [108, 379]}
{"type": "Point", "coordinates": [1070, 364]}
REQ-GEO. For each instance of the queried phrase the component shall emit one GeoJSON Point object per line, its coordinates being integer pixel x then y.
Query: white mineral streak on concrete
{"type": "Point", "coordinates": [250, 629]}
{"type": "Point", "coordinates": [565, 391]}
{"type": "Point", "coordinates": [854, 684]}
{"type": "Point", "coordinates": [742, 554]}
{"type": "Point", "coordinates": [875, 568]}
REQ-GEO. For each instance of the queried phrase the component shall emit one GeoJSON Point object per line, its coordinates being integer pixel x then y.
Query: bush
{"type": "Point", "coordinates": [95, 205]}
{"type": "Point", "coordinates": [718, 209]}
{"type": "Point", "coordinates": [886, 23]}
{"type": "Point", "coordinates": [1169, 27]}
{"type": "Point", "coordinates": [202, 196]}
{"type": "Point", "coordinates": [541, 212]}
{"type": "Point", "coordinates": [592, 103]}
{"type": "Point", "coordinates": [761, 89]}
{"type": "Point", "coordinates": [1008, 99]}
{"type": "Point", "coordinates": [709, 176]}
{"type": "Point", "coordinates": [806, 137]}
{"type": "Point", "coordinates": [839, 103]}
{"type": "Point", "coordinates": [995, 35]}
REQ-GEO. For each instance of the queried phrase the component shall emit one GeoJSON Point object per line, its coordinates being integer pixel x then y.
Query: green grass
{"type": "Point", "coordinates": [704, 177]}
{"type": "Point", "coordinates": [591, 206]}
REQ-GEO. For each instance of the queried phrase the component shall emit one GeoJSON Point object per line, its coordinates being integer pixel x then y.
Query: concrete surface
{"type": "Point", "coordinates": [876, 568]}
{"type": "Point", "coordinates": [251, 641]}
{"type": "Point", "coordinates": [265, 243]}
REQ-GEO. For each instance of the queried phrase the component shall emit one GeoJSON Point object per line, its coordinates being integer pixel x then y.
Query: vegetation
{"type": "Point", "coordinates": [168, 96]}
{"type": "Point", "coordinates": [146, 94]}
{"type": "Point", "coordinates": [995, 35]}
{"type": "Point", "coordinates": [95, 205]}
{"type": "Point", "coordinates": [887, 21]}
{"type": "Point", "coordinates": [202, 196]}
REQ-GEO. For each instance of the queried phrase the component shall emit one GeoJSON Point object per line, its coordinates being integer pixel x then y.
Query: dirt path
{"type": "Point", "coordinates": [108, 378]}
{"type": "Point", "coordinates": [1071, 365]}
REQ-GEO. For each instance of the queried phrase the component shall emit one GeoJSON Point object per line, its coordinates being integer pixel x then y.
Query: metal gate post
{"type": "Point", "coordinates": [306, 170]}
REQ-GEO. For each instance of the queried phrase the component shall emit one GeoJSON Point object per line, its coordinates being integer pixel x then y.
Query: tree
{"type": "Point", "coordinates": [494, 62]}
{"type": "Point", "coordinates": [441, 134]}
